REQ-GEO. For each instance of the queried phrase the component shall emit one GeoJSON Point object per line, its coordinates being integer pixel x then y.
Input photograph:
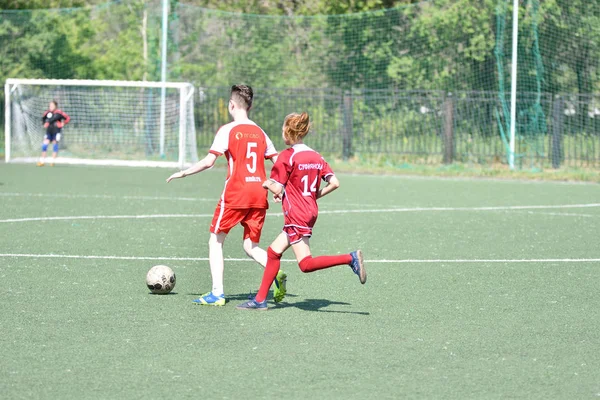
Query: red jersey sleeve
{"type": "Point", "coordinates": [65, 117]}
{"type": "Point", "coordinates": [282, 169]}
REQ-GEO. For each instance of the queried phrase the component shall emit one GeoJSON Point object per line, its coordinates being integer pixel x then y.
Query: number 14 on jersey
{"type": "Point", "coordinates": [313, 186]}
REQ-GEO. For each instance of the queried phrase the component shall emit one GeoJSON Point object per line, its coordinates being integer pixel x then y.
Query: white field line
{"type": "Point", "coordinates": [484, 261]}
{"type": "Point", "coordinates": [404, 261]}
{"type": "Point", "coordinates": [79, 217]}
{"type": "Point", "coordinates": [490, 208]}
{"type": "Point", "coordinates": [383, 210]}
{"type": "Point", "coordinates": [558, 214]}
{"type": "Point", "coordinates": [158, 198]}
{"type": "Point", "coordinates": [104, 196]}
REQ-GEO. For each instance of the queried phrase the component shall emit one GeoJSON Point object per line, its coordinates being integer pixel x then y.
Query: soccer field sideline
{"type": "Point", "coordinates": [402, 261]}
{"type": "Point", "coordinates": [346, 211]}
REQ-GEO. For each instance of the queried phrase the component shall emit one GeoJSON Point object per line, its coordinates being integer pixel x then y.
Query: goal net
{"type": "Point", "coordinates": [112, 122]}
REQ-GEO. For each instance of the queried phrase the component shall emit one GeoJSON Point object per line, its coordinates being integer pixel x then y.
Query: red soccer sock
{"type": "Point", "coordinates": [311, 264]}
{"type": "Point", "coordinates": [271, 270]}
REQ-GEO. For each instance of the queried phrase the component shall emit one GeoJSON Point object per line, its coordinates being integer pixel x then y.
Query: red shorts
{"type": "Point", "coordinates": [296, 232]}
{"type": "Point", "coordinates": [252, 219]}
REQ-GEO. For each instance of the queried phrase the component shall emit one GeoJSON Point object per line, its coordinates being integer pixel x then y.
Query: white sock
{"type": "Point", "coordinates": [215, 257]}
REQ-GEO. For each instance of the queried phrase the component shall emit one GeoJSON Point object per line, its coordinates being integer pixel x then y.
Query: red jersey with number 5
{"type": "Point", "coordinates": [300, 170]}
{"type": "Point", "coordinates": [246, 146]}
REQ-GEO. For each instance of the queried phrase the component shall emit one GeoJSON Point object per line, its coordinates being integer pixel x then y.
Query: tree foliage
{"type": "Point", "coordinates": [431, 45]}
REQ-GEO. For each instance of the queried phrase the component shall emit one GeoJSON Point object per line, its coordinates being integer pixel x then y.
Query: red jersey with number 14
{"type": "Point", "coordinates": [300, 170]}
{"type": "Point", "coordinates": [246, 146]}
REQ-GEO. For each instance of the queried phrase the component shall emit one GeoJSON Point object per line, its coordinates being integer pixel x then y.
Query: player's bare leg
{"type": "Point", "coordinates": [45, 144]}
{"type": "Point", "coordinates": [54, 151]}
{"type": "Point", "coordinates": [301, 249]}
{"type": "Point", "coordinates": [216, 297]}
{"type": "Point", "coordinates": [256, 253]}
{"type": "Point", "coordinates": [281, 243]}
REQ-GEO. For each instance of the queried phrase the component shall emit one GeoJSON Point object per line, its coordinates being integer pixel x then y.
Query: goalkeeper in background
{"type": "Point", "coordinates": [53, 120]}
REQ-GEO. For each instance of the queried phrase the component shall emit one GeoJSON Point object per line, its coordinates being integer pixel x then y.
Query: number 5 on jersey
{"type": "Point", "coordinates": [313, 187]}
{"type": "Point", "coordinates": [251, 155]}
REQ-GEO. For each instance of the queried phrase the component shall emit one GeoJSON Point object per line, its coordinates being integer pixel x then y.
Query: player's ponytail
{"type": "Point", "coordinates": [296, 127]}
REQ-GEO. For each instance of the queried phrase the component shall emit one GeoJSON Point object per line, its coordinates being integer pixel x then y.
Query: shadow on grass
{"type": "Point", "coordinates": [162, 294]}
{"type": "Point", "coordinates": [318, 305]}
{"type": "Point", "coordinates": [315, 305]}
{"type": "Point", "coordinates": [241, 296]}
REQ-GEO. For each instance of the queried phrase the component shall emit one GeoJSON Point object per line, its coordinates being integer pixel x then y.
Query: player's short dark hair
{"type": "Point", "coordinates": [242, 95]}
{"type": "Point", "coordinates": [53, 101]}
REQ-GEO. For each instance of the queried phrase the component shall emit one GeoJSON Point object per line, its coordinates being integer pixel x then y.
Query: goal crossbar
{"type": "Point", "coordinates": [106, 83]}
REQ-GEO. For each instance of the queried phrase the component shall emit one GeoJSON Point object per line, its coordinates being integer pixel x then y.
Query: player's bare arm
{"type": "Point", "coordinates": [204, 164]}
{"type": "Point", "coordinates": [274, 187]}
{"type": "Point", "coordinates": [333, 184]}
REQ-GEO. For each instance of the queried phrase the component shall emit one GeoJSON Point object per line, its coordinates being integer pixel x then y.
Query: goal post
{"type": "Point", "coordinates": [7, 117]}
{"type": "Point", "coordinates": [112, 122]}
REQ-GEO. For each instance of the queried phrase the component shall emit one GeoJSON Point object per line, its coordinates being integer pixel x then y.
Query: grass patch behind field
{"type": "Point", "coordinates": [395, 166]}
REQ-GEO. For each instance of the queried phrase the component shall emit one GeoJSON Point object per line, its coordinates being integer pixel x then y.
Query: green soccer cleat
{"type": "Point", "coordinates": [280, 289]}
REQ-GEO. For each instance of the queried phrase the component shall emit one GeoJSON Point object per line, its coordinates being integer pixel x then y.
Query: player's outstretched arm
{"type": "Point", "coordinates": [206, 163]}
{"type": "Point", "coordinates": [333, 184]}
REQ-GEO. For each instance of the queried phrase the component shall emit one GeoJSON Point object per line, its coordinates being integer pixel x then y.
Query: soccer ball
{"type": "Point", "coordinates": [160, 279]}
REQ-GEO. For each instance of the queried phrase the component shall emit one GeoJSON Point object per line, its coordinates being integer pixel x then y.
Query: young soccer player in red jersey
{"type": "Point", "coordinates": [244, 201]}
{"type": "Point", "coordinates": [295, 180]}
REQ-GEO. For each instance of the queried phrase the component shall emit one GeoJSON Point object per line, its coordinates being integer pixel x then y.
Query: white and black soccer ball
{"type": "Point", "coordinates": [160, 279]}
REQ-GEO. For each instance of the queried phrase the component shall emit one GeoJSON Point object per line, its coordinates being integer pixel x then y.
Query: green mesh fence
{"type": "Point", "coordinates": [389, 49]}
{"type": "Point", "coordinates": [423, 83]}
{"type": "Point", "coordinates": [557, 103]}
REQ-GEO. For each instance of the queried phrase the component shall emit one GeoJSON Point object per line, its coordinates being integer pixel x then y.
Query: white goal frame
{"type": "Point", "coordinates": [186, 96]}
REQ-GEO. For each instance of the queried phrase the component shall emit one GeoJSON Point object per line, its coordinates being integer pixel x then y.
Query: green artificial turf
{"type": "Point", "coordinates": [80, 327]}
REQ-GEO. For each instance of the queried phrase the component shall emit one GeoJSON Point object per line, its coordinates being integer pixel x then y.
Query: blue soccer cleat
{"type": "Point", "coordinates": [253, 305]}
{"type": "Point", "coordinates": [209, 299]}
{"type": "Point", "coordinates": [358, 266]}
